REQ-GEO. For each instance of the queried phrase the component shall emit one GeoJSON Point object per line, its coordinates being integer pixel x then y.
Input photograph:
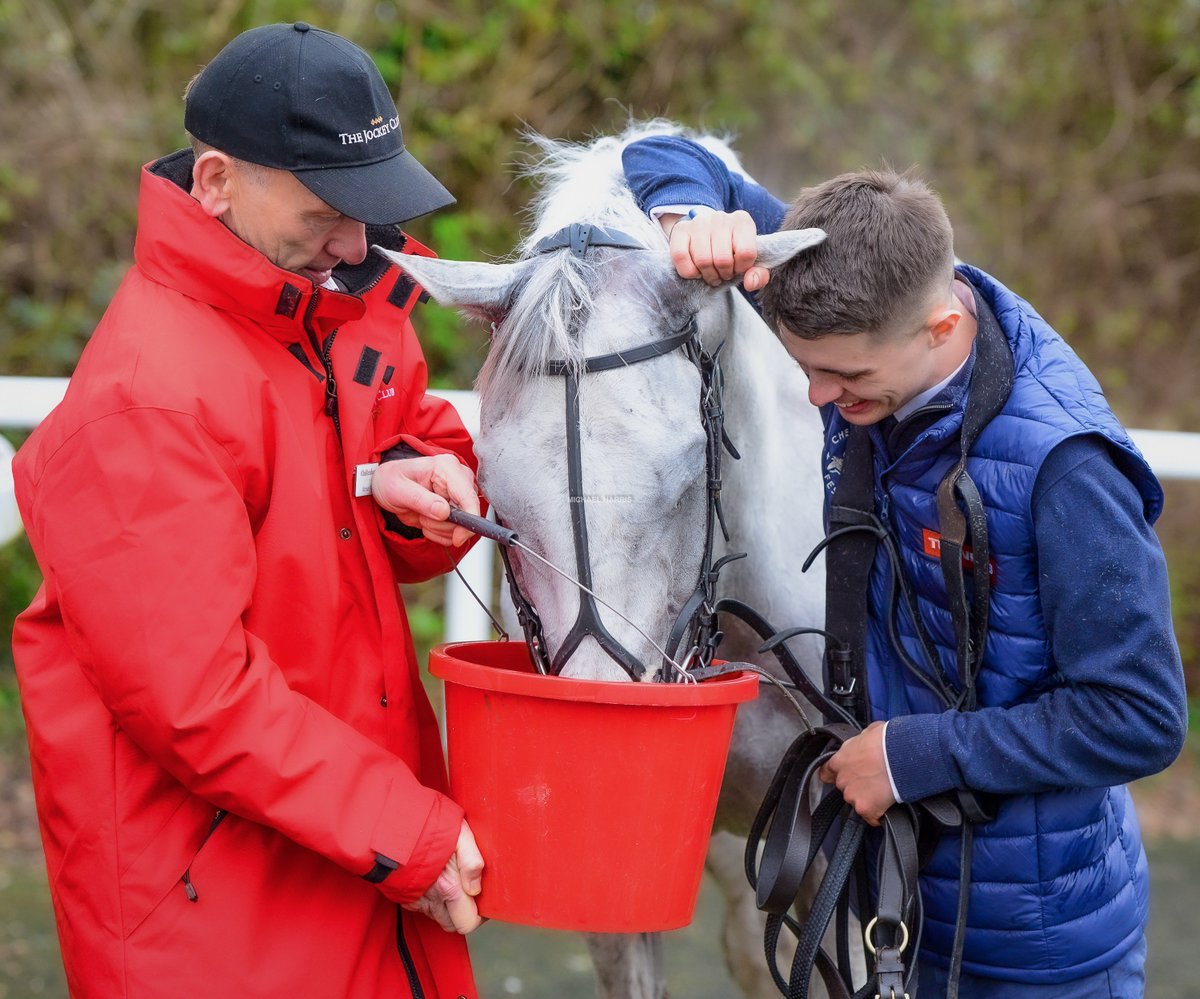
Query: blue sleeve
{"type": "Point", "coordinates": [671, 170]}
{"type": "Point", "coordinates": [1118, 709]}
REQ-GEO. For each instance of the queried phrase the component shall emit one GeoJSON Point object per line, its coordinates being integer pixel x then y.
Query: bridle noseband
{"type": "Point", "coordinates": [696, 621]}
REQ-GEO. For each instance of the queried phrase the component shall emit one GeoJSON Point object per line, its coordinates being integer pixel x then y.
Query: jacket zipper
{"type": "Point", "coordinates": [331, 396]}
{"type": "Point", "coordinates": [323, 352]}
{"type": "Point", "coordinates": [926, 410]}
{"type": "Point", "coordinates": [410, 969]}
{"type": "Point", "coordinates": [188, 887]}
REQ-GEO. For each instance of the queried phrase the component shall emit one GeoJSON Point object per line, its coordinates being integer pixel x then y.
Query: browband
{"type": "Point", "coordinates": [578, 236]}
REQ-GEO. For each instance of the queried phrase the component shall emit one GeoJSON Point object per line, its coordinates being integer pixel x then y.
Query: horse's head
{"type": "Point", "coordinates": [593, 445]}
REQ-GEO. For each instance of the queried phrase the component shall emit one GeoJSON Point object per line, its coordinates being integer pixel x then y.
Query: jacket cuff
{"type": "Point", "coordinates": [413, 840]}
{"type": "Point", "coordinates": [397, 448]}
{"type": "Point", "coordinates": [916, 762]}
{"type": "Point", "coordinates": [408, 446]}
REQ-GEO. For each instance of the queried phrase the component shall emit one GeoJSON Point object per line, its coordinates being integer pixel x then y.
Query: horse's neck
{"type": "Point", "coordinates": [772, 497]}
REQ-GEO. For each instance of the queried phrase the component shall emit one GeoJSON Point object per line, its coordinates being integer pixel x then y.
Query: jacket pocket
{"type": "Point", "coordinates": [161, 867]}
{"type": "Point", "coordinates": [186, 879]}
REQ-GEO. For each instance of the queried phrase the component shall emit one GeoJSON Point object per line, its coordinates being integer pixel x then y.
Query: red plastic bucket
{"type": "Point", "coordinates": [592, 802]}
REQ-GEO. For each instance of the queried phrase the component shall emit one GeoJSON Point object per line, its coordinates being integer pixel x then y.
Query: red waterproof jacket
{"type": "Point", "coordinates": [238, 773]}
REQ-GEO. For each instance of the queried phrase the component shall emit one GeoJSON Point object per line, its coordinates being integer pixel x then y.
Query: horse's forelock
{"type": "Point", "coordinates": [555, 297]}
{"type": "Point", "coordinates": [585, 182]}
{"type": "Point", "coordinates": [577, 182]}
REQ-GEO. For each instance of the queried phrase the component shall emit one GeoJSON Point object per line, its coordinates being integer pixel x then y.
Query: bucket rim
{"type": "Point", "coordinates": [456, 662]}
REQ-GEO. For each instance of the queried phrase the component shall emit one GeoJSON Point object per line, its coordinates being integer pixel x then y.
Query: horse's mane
{"type": "Point", "coordinates": [577, 182]}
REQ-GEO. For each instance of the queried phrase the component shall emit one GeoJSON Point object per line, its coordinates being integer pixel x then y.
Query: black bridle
{"type": "Point", "coordinates": [695, 628]}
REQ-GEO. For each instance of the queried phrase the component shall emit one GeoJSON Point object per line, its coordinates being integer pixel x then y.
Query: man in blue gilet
{"type": "Point", "coordinates": [1074, 683]}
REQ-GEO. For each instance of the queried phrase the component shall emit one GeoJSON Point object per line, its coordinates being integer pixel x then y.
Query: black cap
{"type": "Point", "coordinates": [296, 98]}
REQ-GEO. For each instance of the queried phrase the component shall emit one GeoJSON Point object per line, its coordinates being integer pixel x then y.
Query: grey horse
{"type": "Point", "coordinates": [644, 475]}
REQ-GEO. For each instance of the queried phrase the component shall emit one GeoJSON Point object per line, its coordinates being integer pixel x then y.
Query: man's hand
{"type": "Point", "coordinates": [450, 900]}
{"type": "Point", "coordinates": [716, 246]}
{"type": "Point", "coordinates": [859, 770]}
{"type": "Point", "coordinates": [420, 490]}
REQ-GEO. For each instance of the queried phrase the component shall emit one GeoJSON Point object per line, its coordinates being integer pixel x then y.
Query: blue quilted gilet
{"type": "Point", "coordinates": [1059, 880]}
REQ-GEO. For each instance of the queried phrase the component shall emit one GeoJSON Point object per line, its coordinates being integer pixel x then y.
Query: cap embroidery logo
{"type": "Point", "coordinates": [367, 134]}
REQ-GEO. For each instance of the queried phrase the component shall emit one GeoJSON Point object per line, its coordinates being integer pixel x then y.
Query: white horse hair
{"type": "Point", "coordinates": [644, 470]}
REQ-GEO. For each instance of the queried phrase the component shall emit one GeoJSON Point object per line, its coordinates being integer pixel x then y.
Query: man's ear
{"type": "Point", "coordinates": [942, 324]}
{"type": "Point", "coordinates": [212, 182]}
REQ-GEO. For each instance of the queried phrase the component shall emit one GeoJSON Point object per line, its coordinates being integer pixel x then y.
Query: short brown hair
{"type": "Point", "coordinates": [890, 247]}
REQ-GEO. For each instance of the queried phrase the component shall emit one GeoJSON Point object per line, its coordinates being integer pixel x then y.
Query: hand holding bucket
{"type": "Point", "coordinates": [450, 900]}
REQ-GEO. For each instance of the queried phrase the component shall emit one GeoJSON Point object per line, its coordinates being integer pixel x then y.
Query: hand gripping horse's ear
{"type": "Point", "coordinates": [773, 249]}
{"type": "Point", "coordinates": [486, 291]}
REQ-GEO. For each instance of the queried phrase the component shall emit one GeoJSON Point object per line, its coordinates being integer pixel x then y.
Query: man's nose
{"type": "Point", "coordinates": [822, 390]}
{"type": "Point", "coordinates": [349, 242]}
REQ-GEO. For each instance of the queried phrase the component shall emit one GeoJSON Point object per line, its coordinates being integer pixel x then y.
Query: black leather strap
{"type": "Point", "coordinates": [991, 384]}
{"type": "Point", "coordinates": [624, 358]}
{"type": "Point", "coordinates": [795, 672]}
{"type": "Point", "coordinates": [852, 540]}
{"type": "Point", "coordinates": [794, 836]}
{"type": "Point", "coordinates": [587, 620]}
{"type": "Point", "coordinates": [578, 236]}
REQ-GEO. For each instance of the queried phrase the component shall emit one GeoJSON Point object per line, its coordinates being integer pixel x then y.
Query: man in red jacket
{"type": "Point", "coordinates": [239, 778]}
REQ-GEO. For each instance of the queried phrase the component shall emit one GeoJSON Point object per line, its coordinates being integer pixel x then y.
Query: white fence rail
{"type": "Point", "coordinates": [24, 402]}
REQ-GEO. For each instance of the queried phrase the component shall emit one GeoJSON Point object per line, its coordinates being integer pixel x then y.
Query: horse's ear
{"type": "Point", "coordinates": [779, 247]}
{"type": "Point", "coordinates": [483, 290]}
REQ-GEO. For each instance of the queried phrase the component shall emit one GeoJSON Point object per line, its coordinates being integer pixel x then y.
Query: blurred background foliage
{"type": "Point", "coordinates": [1064, 138]}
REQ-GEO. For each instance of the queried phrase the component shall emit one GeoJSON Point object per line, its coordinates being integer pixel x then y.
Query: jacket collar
{"type": "Point", "coordinates": [182, 248]}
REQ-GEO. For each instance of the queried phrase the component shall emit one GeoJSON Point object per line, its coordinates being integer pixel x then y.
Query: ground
{"type": "Point", "coordinates": [534, 964]}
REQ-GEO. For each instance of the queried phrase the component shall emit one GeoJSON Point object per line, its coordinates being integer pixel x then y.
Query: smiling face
{"type": "Point", "coordinates": [867, 377]}
{"type": "Point", "coordinates": [278, 216]}
{"type": "Point", "coordinates": [869, 314]}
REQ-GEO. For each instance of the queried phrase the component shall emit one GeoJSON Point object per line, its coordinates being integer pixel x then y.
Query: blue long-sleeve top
{"type": "Point", "coordinates": [1121, 712]}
